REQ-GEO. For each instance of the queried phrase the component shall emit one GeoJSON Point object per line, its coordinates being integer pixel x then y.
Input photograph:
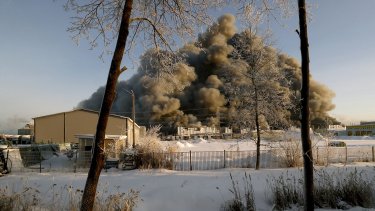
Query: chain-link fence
{"type": "Point", "coordinates": [42, 160]}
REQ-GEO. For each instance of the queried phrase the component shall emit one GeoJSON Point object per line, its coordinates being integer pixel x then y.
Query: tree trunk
{"type": "Point", "coordinates": [305, 129]}
{"type": "Point", "coordinates": [258, 139]}
{"type": "Point", "coordinates": [257, 125]}
{"type": "Point", "coordinates": [97, 162]}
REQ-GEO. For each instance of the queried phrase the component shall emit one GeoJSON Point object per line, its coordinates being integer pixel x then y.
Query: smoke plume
{"type": "Point", "coordinates": [187, 88]}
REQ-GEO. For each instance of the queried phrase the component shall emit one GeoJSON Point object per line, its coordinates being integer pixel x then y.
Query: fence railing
{"type": "Point", "coordinates": [208, 160]}
{"type": "Point", "coordinates": [348, 154]}
{"type": "Point", "coordinates": [79, 161]}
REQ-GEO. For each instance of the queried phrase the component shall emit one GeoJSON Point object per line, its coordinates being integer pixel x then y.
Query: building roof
{"type": "Point", "coordinates": [85, 110]}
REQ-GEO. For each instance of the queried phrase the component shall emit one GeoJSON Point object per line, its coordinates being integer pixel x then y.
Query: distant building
{"type": "Point", "coordinates": [64, 127]}
{"type": "Point", "coordinates": [337, 130]}
{"type": "Point", "coordinates": [203, 132]}
{"type": "Point", "coordinates": [363, 129]}
{"type": "Point", "coordinates": [28, 129]}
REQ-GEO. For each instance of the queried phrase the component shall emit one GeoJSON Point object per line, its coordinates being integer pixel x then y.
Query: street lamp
{"type": "Point", "coordinates": [131, 92]}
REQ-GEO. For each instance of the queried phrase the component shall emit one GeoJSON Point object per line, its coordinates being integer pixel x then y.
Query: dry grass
{"type": "Point", "coordinates": [336, 190]}
{"type": "Point", "coordinates": [63, 198]}
{"type": "Point", "coordinates": [243, 199]}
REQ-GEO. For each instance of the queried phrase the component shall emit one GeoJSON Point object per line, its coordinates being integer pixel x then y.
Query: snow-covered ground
{"type": "Point", "coordinates": [213, 145]}
{"type": "Point", "coordinates": [357, 140]}
{"type": "Point", "coordinates": [162, 189]}
{"type": "Point", "coordinates": [167, 190]}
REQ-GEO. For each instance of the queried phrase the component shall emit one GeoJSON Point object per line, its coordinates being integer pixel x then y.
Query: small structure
{"type": "Point", "coordinates": [28, 129]}
{"type": "Point", "coordinates": [337, 130]}
{"type": "Point", "coordinates": [113, 145]}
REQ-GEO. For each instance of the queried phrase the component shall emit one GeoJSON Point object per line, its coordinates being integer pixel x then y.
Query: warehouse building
{"type": "Point", "coordinates": [363, 129]}
{"type": "Point", "coordinates": [62, 128]}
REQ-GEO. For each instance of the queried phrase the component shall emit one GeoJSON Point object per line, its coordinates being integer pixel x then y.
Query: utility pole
{"type": "Point", "coordinates": [133, 111]}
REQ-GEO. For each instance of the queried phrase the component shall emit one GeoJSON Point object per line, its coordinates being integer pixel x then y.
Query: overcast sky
{"type": "Point", "coordinates": [42, 71]}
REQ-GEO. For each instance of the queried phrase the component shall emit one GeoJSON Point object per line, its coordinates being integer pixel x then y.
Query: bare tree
{"type": "Point", "coordinates": [155, 22]}
{"type": "Point", "coordinates": [257, 91]}
{"type": "Point", "coordinates": [305, 124]}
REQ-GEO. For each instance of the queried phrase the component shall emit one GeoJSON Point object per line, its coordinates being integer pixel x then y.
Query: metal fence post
{"type": "Point", "coordinates": [346, 154]}
{"type": "Point", "coordinates": [191, 167]}
{"type": "Point", "coordinates": [75, 162]}
{"type": "Point", "coordinates": [373, 154]}
{"type": "Point", "coordinates": [40, 161]}
{"type": "Point", "coordinates": [224, 158]}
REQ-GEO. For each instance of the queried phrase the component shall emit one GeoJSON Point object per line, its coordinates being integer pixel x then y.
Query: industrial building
{"type": "Point", "coordinates": [61, 128]}
{"type": "Point", "coordinates": [202, 132]}
{"type": "Point", "coordinates": [28, 129]}
{"type": "Point", "coordinates": [363, 129]}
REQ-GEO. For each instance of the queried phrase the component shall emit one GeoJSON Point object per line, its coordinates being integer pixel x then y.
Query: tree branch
{"type": "Point", "coordinates": [156, 31]}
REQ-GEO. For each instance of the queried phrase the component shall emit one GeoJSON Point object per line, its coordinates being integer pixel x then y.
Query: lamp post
{"type": "Point", "coordinates": [133, 111]}
{"type": "Point", "coordinates": [131, 92]}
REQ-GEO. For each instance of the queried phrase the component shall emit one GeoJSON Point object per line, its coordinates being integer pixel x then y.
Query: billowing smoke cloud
{"type": "Point", "coordinates": [320, 95]}
{"type": "Point", "coordinates": [187, 88]}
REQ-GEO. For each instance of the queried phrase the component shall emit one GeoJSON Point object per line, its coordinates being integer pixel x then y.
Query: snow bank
{"type": "Point", "coordinates": [184, 144]}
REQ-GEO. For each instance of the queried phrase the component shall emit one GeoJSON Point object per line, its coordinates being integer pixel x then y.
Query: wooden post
{"type": "Point", "coordinates": [373, 154]}
{"type": "Point", "coordinates": [6, 163]}
{"type": "Point", "coordinates": [224, 158]}
{"type": "Point", "coordinates": [191, 167]}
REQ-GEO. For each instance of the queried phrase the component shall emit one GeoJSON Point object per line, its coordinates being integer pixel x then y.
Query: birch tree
{"type": "Point", "coordinates": [130, 23]}
{"type": "Point", "coordinates": [269, 9]}
{"type": "Point", "coordinates": [264, 96]}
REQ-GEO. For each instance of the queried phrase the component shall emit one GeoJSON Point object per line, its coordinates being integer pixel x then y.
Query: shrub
{"type": "Point", "coordinates": [150, 151]}
{"type": "Point", "coordinates": [239, 202]}
{"type": "Point", "coordinates": [290, 151]}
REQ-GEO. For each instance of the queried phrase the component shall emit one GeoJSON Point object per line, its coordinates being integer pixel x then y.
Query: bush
{"type": "Point", "coordinates": [239, 202]}
{"type": "Point", "coordinates": [150, 151]}
{"type": "Point", "coordinates": [290, 151]}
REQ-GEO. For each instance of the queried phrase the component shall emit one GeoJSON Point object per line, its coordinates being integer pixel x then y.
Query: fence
{"type": "Point", "coordinates": [208, 160]}
{"type": "Point", "coordinates": [79, 161]}
{"type": "Point", "coordinates": [349, 154]}
{"type": "Point", "coordinates": [47, 161]}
